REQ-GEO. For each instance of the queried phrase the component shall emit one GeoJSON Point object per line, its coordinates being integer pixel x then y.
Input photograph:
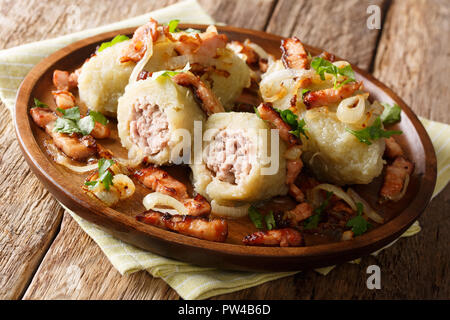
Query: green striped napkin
{"type": "Point", "coordinates": [191, 282]}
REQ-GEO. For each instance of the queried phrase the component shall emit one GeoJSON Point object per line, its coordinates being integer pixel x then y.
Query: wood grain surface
{"type": "Point", "coordinates": [416, 267]}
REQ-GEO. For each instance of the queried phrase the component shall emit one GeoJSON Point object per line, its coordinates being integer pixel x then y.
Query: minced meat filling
{"type": "Point", "coordinates": [149, 128]}
{"type": "Point", "coordinates": [228, 156]}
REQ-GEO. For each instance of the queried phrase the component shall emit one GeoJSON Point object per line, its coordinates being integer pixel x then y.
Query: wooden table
{"type": "Point", "coordinates": [45, 254]}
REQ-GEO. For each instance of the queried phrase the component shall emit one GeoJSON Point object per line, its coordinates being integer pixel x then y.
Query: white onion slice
{"type": "Point", "coordinates": [366, 208]}
{"type": "Point", "coordinates": [156, 199]}
{"type": "Point", "coordinates": [229, 212]}
{"type": "Point", "coordinates": [351, 110]}
{"type": "Point", "coordinates": [124, 185]}
{"type": "Point", "coordinates": [60, 158]}
{"type": "Point", "coordinates": [141, 64]}
{"type": "Point", "coordinates": [259, 50]}
{"type": "Point", "coordinates": [177, 62]}
{"type": "Point", "coordinates": [338, 192]}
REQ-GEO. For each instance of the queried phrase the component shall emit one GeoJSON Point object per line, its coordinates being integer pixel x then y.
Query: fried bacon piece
{"type": "Point", "coordinates": [286, 237]}
{"type": "Point", "coordinates": [393, 149]}
{"type": "Point", "coordinates": [160, 181]}
{"type": "Point", "coordinates": [301, 212]}
{"type": "Point", "coordinates": [74, 146]}
{"type": "Point", "coordinates": [100, 131]}
{"type": "Point", "coordinates": [268, 113]}
{"type": "Point", "coordinates": [252, 58]}
{"type": "Point", "coordinates": [294, 55]}
{"type": "Point", "coordinates": [66, 100]}
{"type": "Point", "coordinates": [394, 179]}
{"type": "Point", "coordinates": [325, 97]}
{"type": "Point", "coordinates": [296, 193]}
{"type": "Point", "coordinates": [135, 51]}
{"type": "Point", "coordinates": [203, 44]}
{"type": "Point", "coordinates": [208, 100]}
{"type": "Point", "coordinates": [197, 227]}
{"type": "Point", "coordinates": [200, 69]}
{"type": "Point", "coordinates": [62, 80]}
{"type": "Point", "coordinates": [294, 167]}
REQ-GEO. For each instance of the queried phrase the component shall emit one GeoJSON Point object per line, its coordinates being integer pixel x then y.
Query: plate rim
{"type": "Point", "coordinates": [367, 243]}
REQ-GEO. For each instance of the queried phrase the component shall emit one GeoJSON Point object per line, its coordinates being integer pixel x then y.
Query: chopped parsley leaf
{"type": "Point", "coordinates": [322, 66]}
{"type": "Point", "coordinates": [104, 175]}
{"type": "Point", "coordinates": [116, 39]}
{"type": "Point", "coordinates": [391, 113]}
{"type": "Point", "coordinates": [298, 126]}
{"type": "Point", "coordinates": [313, 221]}
{"type": "Point", "coordinates": [39, 104]}
{"type": "Point", "coordinates": [374, 132]}
{"type": "Point", "coordinates": [270, 221]}
{"type": "Point", "coordinates": [255, 217]}
{"type": "Point", "coordinates": [170, 73]}
{"type": "Point", "coordinates": [358, 224]}
{"type": "Point", "coordinates": [173, 26]}
{"type": "Point", "coordinates": [71, 121]}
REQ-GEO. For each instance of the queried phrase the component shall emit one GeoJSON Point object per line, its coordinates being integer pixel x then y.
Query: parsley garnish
{"type": "Point", "coordinates": [98, 117]}
{"type": "Point", "coordinates": [270, 221]}
{"type": "Point", "coordinates": [391, 113]}
{"type": "Point", "coordinates": [170, 73]}
{"type": "Point", "coordinates": [255, 217]}
{"type": "Point", "coordinates": [39, 104]}
{"type": "Point", "coordinates": [358, 224]}
{"type": "Point", "coordinates": [313, 221]}
{"type": "Point", "coordinates": [373, 132]}
{"type": "Point", "coordinates": [298, 126]}
{"type": "Point", "coordinates": [104, 175]}
{"type": "Point", "coordinates": [321, 66]}
{"type": "Point", "coordinates": [71, 121]}
{"type": "Point", "coordinates": [117, 39]}
{"type": "Point", "coordinates": [258, 219]}
{"type": "Point", "coordinates": [173, 25]}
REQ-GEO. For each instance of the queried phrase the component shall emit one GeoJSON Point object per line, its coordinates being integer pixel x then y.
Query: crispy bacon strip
{"type": "Point", "coordinates": [294, 55]}
{"type": "Point", "coordinates": [268, 113]}
{"type": "Point", "coordinates": [393, 149]}
{"type": "Point", "coordinates": [208, 100]}
{"type": "Point", "coordinates": [394, 178]}
{"type": "Point", "coordinates": [100, 131]}
{"type": "Point", "coordinates": [160, 181]}
{"type": "Point", "coordinates": [64, 99]}
{"type": "Point", "coordinates": [198, 227]}
{"type": "Point", "coordinates": [301, 212]}
{"type": "Point", "coordinates": [252, 58]}
{"type": "Point", "coordinates": [294, 167]}
{"type": "Point", "coordinates": [203, 44]}
{"type": "Point", "coordinates": [325, 97]}
{"type": "Point", "coordinates": [286, 237]}
{"type": "Point", "coordinates": [74, 146]}
{"type": "Point", "coordinates": [62, 80]}
{"type": "Point", "coordinates": [296, 193]}
{"type": "Point", "coordinates": [135, 51]}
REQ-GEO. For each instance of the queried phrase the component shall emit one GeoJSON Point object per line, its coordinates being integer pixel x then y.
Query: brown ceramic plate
{"type": "Point", "coordinates": [120, 221]}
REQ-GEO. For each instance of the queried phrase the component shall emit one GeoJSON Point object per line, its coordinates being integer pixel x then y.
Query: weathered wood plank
{"type": "Point", "coordinates": [339, 27]}
{"type": "Point", "coordinates": [29, 215]}
{"type": "Point", "coordinates": [413, 55]}
{"type": "Point", "coordinates": [97, 273]}
{"type": "Point", "coordinates": [75, 268]}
